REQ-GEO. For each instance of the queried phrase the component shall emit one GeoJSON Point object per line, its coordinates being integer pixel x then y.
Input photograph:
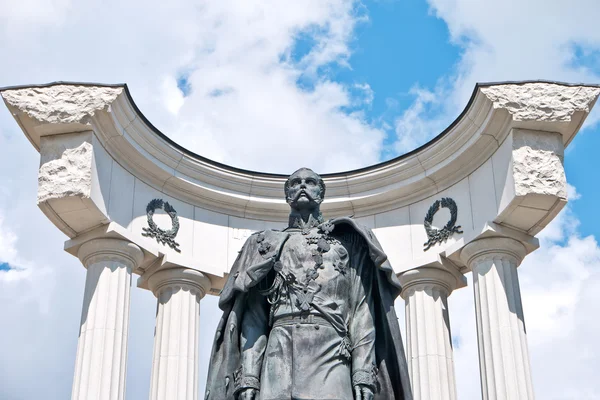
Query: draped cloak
{"type": "Point", "coordinates": [252, 266]}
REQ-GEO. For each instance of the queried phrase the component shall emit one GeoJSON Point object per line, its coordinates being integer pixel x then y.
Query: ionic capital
{"type": "Point", "coordinates": [423, 278]}
{"type": "Point", "coordinates": [179, 278]}
{"type": "Point", "coordinates": [493, 247]}
{"type": "Point", "coordinates": [109, 249]}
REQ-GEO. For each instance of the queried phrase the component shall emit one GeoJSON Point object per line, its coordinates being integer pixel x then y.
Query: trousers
{"type": "Point", "coordinates": [302, 362]}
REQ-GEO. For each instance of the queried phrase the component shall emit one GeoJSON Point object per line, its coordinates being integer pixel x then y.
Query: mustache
{"type": "Point", "coordinates": [301, 192]}
{"type": "Point", "coordinates": [306, 193]}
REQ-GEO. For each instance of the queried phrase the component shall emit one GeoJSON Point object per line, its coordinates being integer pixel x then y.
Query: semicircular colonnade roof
{"type": "Point", "coordinates": [492, 110]}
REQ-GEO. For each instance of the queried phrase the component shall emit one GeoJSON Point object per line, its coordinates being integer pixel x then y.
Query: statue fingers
{"type": "Point", "coordinates": [367, 393]}
{"type": "Point", "coordinates": [357, 393]}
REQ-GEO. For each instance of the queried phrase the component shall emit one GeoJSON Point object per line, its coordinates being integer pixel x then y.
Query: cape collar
{"type": "Point", "coordinates": [296, 222]}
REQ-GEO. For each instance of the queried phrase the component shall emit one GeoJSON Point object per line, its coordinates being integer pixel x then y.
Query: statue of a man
{"type": "Point", "coordinates": [308, 312]}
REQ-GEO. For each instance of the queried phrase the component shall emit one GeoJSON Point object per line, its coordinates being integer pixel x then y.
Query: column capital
{"type": "Point", "coordinates": [428, 277]}
{"type": "Point", "coordinates": [491, 247]}
{"type": "Point", "coordinates": [185, 278]}
{"type": "Point", "coordinates": [107, 249]}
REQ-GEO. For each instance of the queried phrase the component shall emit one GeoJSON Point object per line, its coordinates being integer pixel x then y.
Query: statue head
{"type": "Point", "coordinates": [304, 191]}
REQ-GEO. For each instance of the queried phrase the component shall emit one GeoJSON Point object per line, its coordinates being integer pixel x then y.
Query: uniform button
{"type": "Point", "coordinates": [297, 325]}
{"type": "Point", "coordinates": [316, 327]}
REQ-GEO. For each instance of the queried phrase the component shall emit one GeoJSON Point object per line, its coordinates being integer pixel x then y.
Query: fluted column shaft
{"type": "Point", "coordinates": [429, 343]}
{"type": "Point", "coordinates": [102, 348]}
{"type": "Point", "coordinates": [175, 360]}
{"type": "Point", "coordinates": [503, 354]}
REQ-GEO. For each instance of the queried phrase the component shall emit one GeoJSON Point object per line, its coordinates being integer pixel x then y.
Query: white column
{"type": "Point", "coordinates": [102, 348]}
{"type": "Point", "coordinates": [429, 342]}
{"type": "Point", "coordinates": [175, 360]}
{"type": "Point", "coordinates": [503, 355]}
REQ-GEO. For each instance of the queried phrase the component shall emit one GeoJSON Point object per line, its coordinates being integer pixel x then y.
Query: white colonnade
{"type": "Point", "coordinates": [505, 370]}
{"type": "Point", "coordinates": [501, 334]}
{"type": "Point", "coordinates": [101, 359]}
{"type": "Point", "coordinates": [106, 175]}
{"type": "Point", "coordinates": [428, 337]}
{"type": "Point", "coordinates": [175, 360]}
{"type": "Point", "coordinates": [102, 349]}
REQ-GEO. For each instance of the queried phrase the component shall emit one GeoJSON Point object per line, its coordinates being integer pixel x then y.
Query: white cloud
{"type": "Point", "coordinates": [514, 40]}
{"type": "Point", "coordinates": [172, 95]}
{"type": "Point", "coordinates": [245, 99]}
{"type": "Point", "coordinates": [559, 283]}
{"type": "Point", "coordinates": [8, 253]}
{"type": "Point", "coordinates": [241, 62]}
{"type": "Point", "coordinates": [504, 41]}
{"type": "Point", "coordinates": [242, 67]}
{"type": "Point", "coordinates": [20, 15]}
{"type": "Point", "coordinates": [559, 286]}
{"type": "Point", "coordinates": [413, 128]}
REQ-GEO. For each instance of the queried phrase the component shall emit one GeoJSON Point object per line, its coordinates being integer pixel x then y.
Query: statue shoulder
{"type": "Point", "coordinates": [353, 225]}
{"type": "Point", "coordinates": [265, 241]}
{"type": "Point", "coordinates": [267, 234]}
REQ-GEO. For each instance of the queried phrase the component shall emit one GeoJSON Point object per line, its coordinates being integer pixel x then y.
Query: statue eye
{"type": "Point", "coordinates": [295, 182]}
{"type": "Point", "coordinates": [311, 181]}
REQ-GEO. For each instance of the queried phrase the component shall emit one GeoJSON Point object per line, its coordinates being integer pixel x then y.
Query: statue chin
{"type": "Point", "coordinates": [304, 203]}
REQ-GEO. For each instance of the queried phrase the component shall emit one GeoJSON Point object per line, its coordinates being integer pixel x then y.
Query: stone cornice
{"type": "Point", "coordinates": [109, 110]}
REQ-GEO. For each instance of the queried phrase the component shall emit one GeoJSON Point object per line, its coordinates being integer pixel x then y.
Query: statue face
{"type": "Point", "coordinates": [304, 190]}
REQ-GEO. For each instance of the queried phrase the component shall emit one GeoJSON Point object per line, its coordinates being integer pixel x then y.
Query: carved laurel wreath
{"type": "Point", "coordinates": [441, 235]}
{"type": "Point", "coordinates": [161, 235]}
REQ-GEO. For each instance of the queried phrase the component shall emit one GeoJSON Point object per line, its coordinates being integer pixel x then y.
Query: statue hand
{"type": "Point", "coordinates": [362, 392]}
{"type": "Point", "coordinates": [247, 394]}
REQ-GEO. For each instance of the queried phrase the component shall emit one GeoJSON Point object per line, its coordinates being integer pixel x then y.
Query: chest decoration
{"type": "Point", "coordinates": [300, 290]}
{"type": "Point", "coordinates": [263, 246]}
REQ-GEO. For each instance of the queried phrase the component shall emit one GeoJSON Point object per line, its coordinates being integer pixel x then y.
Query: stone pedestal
{"type": "Point", "coordinates": [503, 353]}
{"type": "Point", "coordinates": [102, 347]}
{"type": "Point", "coordinates": [175, 360]}
{"type": "Point", "coordinates": [429, 343]}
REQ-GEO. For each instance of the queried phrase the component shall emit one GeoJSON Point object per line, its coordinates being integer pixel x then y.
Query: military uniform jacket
{"type": "Point", "coordinates": [337, 273]}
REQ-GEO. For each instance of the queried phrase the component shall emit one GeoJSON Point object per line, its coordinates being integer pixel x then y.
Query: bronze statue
{"type": "Point", "coordinates": [308, 312]}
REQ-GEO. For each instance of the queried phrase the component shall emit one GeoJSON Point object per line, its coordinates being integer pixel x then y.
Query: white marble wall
{"type": "Point", "coordinates": [210, 240]}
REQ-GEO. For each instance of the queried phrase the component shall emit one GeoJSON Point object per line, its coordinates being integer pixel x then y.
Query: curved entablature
{"type": "Point", "coordinates": [472, 199]}
{"type": "Point", "coordinates": [492, 111]}
{"type": "Point", "coordinates": [496, 170]}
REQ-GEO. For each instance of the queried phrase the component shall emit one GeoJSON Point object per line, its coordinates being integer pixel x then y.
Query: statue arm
{"type": "Point", "coordinates": [362, 325]}
{"type": "Point", "coordinates": [254, 334]}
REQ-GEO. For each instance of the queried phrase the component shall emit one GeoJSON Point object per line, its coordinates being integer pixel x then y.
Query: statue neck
{"type": "Point", "coordinates": [306, 221]}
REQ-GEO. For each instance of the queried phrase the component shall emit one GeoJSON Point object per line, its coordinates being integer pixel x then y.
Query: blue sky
{"type": "Point", "coordinates": [581, 166]}
{"type": "Point", "coordinates": [242, 82]}
{"type": "Point", "coordinates": [403, 45]}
